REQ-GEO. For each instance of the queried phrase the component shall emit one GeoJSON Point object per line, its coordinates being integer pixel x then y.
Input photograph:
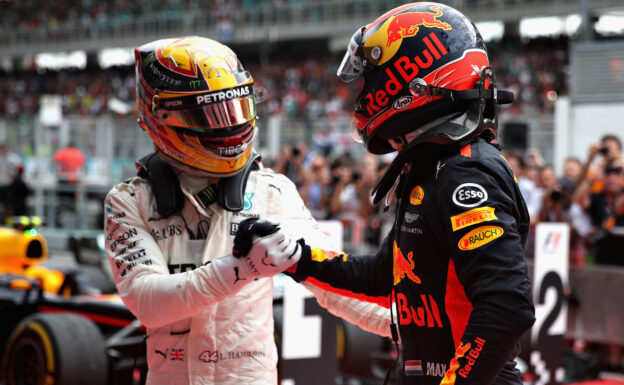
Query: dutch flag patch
{"type": "Point", "coordinates": [413, 368]}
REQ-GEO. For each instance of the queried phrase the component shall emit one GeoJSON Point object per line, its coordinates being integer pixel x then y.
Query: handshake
{"type": "Point", "coordinates": [261, 249]}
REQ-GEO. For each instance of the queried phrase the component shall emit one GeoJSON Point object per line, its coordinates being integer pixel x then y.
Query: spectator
{"type": "Point", "coordinates": [349, 197]}
{"type": "Point", "coordinates": [531, 193]}
{"type": "Point", "coordinates": [18, 191]}
{"type": "Point", "coordinates": [608, 224]}
{"type": "Point", "coordinates": [547, 177]}
{"type": "Point", "coordinates": [10, 164]}
{"type": "Point", "coordinates": [70, 161]}
{"type": "Point", "coordinates": [533, 158]}
{"type": "Point", "coordinates": [382, 219]}
{"type": "Point", "coordinates": [572, 168]}
{"type": "Point", "coordinates": [291, 163]}
{"type": "Point", "coordinates": [591, 178]}
{"type": "Point", "coordinates": [316, 193]}
{"type": "Point", "coordinates": [558, 206]}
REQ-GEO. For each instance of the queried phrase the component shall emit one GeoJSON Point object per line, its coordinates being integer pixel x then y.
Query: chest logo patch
{"type": "Point", "coordinates": [469, 195]}
{"type": "Point", "coordinates": [247, 204]}
{"type": "Point", "coordinates": [403, 266]}
{"type": "Point", "coordinates": [417, 195]}
{"type": "Point", "coordinates": [479, 237]}
{"type": "Point", "coordinates": [472, 217]}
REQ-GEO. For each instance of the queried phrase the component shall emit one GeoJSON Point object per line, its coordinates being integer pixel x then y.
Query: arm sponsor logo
{"type": "Point", "coordinates": [469, 195]}
{"type": "Point", "coordinates": [472, 217]}
{"type": "Point", "coordinates": [450, 376]}
{"type": "Point", "coordinates": [479, 237]}
{"type": "Point", "coordinates": [471, 357]}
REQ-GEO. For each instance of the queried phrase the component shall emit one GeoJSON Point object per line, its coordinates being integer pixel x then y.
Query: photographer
{"type": "Point", "coordinates": [590, 180]}
{"type": "Point", "coordinates": [350, 198]}
{"type": "Point", "coordinates": [291, 162]}
{"type": "Point", "coordinates": [558, 206]}
{"type": "Point", "coordinates": [604, 209]}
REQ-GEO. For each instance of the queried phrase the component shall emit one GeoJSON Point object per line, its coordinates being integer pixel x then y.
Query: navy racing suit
{"type": "Point", "coordinates": [453, 265]}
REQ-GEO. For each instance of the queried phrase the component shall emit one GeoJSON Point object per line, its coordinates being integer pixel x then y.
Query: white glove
{"type": "Point", "coordinates": [268, 256]}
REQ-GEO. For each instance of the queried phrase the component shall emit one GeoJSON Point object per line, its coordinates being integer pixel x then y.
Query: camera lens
{"type": "Point", "coordinates": [556, 196]}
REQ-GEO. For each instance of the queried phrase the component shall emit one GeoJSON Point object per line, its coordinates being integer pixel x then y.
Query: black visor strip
{"type": "Point", "coordinates": [501, 96]}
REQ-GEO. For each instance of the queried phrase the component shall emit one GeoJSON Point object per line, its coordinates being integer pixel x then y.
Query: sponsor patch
{"type": "Point", "coordinates": [402, 103]}
{"type": "Point", "coordinates": [411, 230]}
{"type": "Point", "coordinates": [417, 195]}
{"type": "Point", "coordinates": [469, 195]}
{"type": "Point", "coordinates": [413, 368]}
{"type": "Point", "coordinates": [411, 217]}
{"type": "Point", "coordinates": [233, 228]}
{"type": "Point", "coordinates": [472, 357]}
{"type": "Point", "coordinates": [247, 203]}
{"type": "Point", "coordinates": [479, 237]}
{"type": "Point", "coordinates": [472, 217]}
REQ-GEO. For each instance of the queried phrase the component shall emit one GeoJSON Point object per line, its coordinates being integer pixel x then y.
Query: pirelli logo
{"type": "Point", "coordinates": [472, 217]}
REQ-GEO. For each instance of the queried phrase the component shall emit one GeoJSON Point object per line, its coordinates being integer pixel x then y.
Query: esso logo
{"type": "Point", "coordinates": [469, 195]}
{"type": "Point", "coordinates": [402, 102]}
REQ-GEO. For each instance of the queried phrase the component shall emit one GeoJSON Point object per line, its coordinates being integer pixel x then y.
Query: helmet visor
{"type": "Point", "coordinates": [211, 116]}
{"type": "Point", "coordinates": [352, 66]}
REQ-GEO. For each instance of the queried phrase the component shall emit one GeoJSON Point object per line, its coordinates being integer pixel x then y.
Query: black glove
{"type": "Point", "coordinates": [245, 232]}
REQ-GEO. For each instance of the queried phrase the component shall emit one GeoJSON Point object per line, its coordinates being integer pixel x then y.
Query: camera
{"type": "Point", "coordinates": [556, 195]}
{"type": "Point", "coordinates": [604, 150]}
{"type": "Point", "coordinates": [296, 151]}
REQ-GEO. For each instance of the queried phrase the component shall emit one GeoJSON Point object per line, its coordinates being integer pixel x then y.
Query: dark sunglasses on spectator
{"type": "Point", "coordinates": [613, 170]}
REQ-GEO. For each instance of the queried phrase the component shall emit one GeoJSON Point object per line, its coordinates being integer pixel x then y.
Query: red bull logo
{"type": "Point", "coordinates": [407, 24]}
{"type": "Point", "coordinates": [450, 376]}
{"type": "Point", "coordinates": [403, 266]}
{"type": "Point", "coordinates": [426, 313]}
{"type": "Point", "coordinates": [471, 357]}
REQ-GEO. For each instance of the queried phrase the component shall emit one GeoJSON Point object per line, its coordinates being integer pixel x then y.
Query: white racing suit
{"type": "Point", "coordinates": [196, 333]}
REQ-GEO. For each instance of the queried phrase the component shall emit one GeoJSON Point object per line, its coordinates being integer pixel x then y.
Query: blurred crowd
{"type": "Point", "coordinates": [303, 86]}
{"type": "Point", "coordinates": [32, 15]}
{"type": "Point", "coordinates": [588, 194]}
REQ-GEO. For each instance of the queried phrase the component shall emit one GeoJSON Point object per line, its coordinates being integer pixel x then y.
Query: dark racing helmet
{"type": "Point", "coordinates": [426, 78]}
{"type": "Point", "coordinates": [196, 101]}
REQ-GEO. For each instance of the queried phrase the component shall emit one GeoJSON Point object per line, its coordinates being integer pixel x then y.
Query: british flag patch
{"type": "Point", "coordinates": [177, 354]}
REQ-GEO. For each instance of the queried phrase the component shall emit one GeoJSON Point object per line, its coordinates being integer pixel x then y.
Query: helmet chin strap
{"type": "Point", "coordinates": [194, 183]}
{"type": "Point", "coordinates": [399, 142]}
{"type": "Point", "coordinates": [230, 190]}
{"type": "Point", "coordinates": [166, 180]}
